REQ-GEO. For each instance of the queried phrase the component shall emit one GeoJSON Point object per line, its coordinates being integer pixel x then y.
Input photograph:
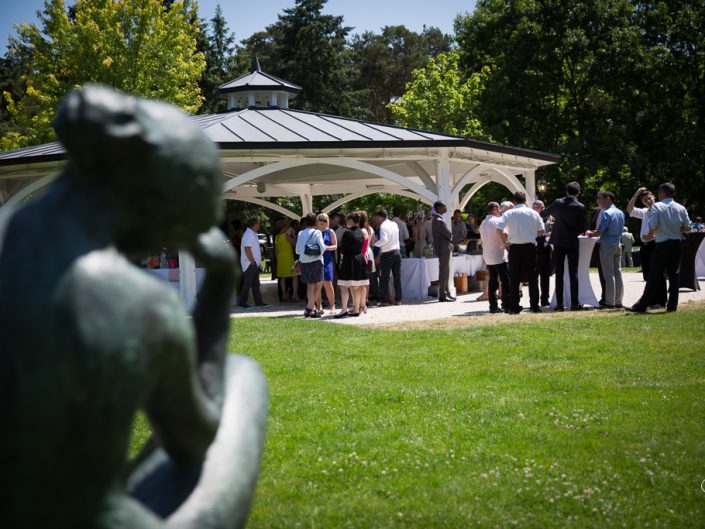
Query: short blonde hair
{"type": "Point", "coordinates": [323, 217]}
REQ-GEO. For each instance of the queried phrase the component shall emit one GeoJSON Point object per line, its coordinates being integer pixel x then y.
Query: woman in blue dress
{"type": "Point", "coordinates": [331, 243]}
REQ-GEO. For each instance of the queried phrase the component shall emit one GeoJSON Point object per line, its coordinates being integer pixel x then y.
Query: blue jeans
{"type": "Point", "coordinates": [390, 262]}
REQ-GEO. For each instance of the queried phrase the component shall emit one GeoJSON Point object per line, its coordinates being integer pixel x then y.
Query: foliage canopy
{"type": "Point", "coordinates": [139, 46]}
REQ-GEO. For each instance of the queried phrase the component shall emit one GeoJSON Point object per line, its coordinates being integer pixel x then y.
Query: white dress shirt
{"type": "Point", "coordinates": [388, 236]}
{"type": "Point", "coordinates": [644, 214]}
{"type": "Point", "coordinates": [522, 223]}
{"type": "Point", "coordinates": [249, 238]}
{"type": "Point", "coordinates": [492, 248]}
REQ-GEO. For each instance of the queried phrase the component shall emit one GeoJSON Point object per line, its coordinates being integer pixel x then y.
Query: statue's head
{"type": "Point", "coordinates": [155, 165]}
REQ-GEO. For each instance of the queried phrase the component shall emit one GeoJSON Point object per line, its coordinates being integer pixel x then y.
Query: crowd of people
{"type": "Point", "coordinates": [521, 244]}
{"type": "Point", "coordinates": [524, 244]}
{"type": "Point", "coordinates": [362, 257]}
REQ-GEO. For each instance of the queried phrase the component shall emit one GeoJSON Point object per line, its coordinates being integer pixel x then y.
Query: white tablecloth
{"type": "Point", "coordinates": [586, 295]}
{"type": "Point", "coordinates": [418, 273]}
{"type": "Point", "coordinates": [700, 261]}
{"type": "Point", "coordinates": [171, 275]}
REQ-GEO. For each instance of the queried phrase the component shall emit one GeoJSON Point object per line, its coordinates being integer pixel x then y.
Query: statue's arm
{"type": "Point", "coordinates": [186, 404]}
{"type": "Point", "coordinates": [183, 416]}
{"type": "Point", "coordinates": [211, 316]}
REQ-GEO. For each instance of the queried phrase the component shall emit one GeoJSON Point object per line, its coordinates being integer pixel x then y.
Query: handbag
{"type": "Point", "coordinates": [312, 249]}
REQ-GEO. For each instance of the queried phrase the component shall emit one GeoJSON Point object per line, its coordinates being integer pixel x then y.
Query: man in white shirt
{"type": "Point", "coordinates": [523, 225]}
{"type": "Point", "coordinates": [403, 231]}
{"type": "Point", "coordinates": [390, 258]}
{"type": "Point", "coordinates": [251, 261]}
{"type": "Point", "coordinates": [495, 258]}
{"type": "Point", "coordinates": [647, 199]}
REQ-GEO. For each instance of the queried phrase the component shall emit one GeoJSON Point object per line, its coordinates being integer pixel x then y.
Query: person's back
{"type": "Point", "coordinates": [570, 220]}
{"type": "Point", "coordinates": [64, 380]}
{"type": "Point", "coordinates": [88, 338]}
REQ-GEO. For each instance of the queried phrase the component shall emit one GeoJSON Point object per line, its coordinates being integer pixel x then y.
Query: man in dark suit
{"type": "Point", "coordinates": [569, 216]}
{"type": "Point", "coordinates": [443, 248]}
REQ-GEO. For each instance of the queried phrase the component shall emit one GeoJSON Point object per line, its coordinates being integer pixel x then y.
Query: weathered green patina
{"type": "Point", "coordinates": [87, 339]}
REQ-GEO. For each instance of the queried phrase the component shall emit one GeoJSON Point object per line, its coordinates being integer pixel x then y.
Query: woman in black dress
{"type": "Point", "coordinates": [353, 270]}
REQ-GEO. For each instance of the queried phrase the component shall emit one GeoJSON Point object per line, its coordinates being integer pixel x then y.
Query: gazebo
{"type": "Point", "coordinates": [269, 150]}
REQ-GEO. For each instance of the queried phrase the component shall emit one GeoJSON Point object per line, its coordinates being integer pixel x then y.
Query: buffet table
{"type": "Point", "coordinates": [586, 295]}
{"type": "Point", "coordinates": [700, 261]}
{"type": "Point", "coordinates": [418, 273]}
{"type": "Point", "coordinates": [693, 253]}
{"type": "Point", "coordinates": [173, 275]}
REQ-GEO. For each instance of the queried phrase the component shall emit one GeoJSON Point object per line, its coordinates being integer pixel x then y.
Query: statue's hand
{"type": "Point", "coordinates": [214, 251]}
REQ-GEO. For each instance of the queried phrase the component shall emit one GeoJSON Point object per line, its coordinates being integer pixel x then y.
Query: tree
{"type": "Point", "coordinates": [137, 46]}
{"type": "Point", "coordinates": [439, 99]}
{"type": "Point", "coordinates": [383, 64]}
{"type": "Point", "coordinates": [615, 87]}
{"type": "Point", "coordinates": [220, 61]}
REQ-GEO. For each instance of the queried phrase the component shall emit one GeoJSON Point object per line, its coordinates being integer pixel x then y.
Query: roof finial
{"type": "Point", "coordinates": [255, 64]}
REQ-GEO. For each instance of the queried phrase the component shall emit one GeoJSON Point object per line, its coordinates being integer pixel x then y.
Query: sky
{"type": "Point", "coordinates": [246, 17]}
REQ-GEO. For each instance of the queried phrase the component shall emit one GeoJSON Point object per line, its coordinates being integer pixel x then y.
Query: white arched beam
{"type": "Point", "coordinates": [265, 204]}
{"type": "Point", "coordinates": [352, 196]}
{"type": "Point", "coordinates": [474, 189]}
{"type": "Point", "coordinates": [27, 190]}
{"type": "Point", "coordinates": [262, 171]}
{"type": "Point", "coordinates": [469, 177]}
{"type": "Point", "coordinates": [423, 175]}
{"type": "Point", "coordinates": [512, 182]}
{"type": "Point", "coordinates": [506, 178]}
{"type": "Point", "coordinates": [339, 162]}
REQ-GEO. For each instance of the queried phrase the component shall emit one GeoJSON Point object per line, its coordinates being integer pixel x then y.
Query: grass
{"type": "Point", "coordinates": [555, 422]}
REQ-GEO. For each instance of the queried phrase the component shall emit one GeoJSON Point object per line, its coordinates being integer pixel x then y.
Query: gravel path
{"type": "Point", "coordinates": [429, 310]}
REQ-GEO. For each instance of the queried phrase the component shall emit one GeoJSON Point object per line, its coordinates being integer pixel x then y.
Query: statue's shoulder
{"type": "Point", "coordinates": [104, 286]}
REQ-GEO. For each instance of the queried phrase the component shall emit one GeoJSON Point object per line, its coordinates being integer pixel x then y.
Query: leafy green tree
{"type": "Point", "coordinates": [220, 61]}
{"type": "Point", "coordinates": [11, 72]}
{"type": "Point", "coordinates": [139, 46]}
{"type": "Point", "coordinates": [439, 99]}
{"type": "Point", "coordinates": [614, 86]}
{"type": "Point", "coordinates": [383, 64]}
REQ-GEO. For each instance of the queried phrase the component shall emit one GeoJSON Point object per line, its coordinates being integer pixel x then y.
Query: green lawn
{"type": "Point", "coordinates": [594, 421]}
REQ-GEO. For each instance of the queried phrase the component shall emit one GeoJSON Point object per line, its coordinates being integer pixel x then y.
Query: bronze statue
{"type": "Point", "coordinates": [87, 339]}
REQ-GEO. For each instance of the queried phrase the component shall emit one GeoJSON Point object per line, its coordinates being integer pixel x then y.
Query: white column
{"type": "Point", "coordinates": [444, 184]}
{"type": "Point", "coordinates": [306, 203]}
{"type": "Point", "coordinates": [445, 195]}
{"type": "Point", "coordinates": [187, 279]}
{"type": "Point", "coordinates": [530, 185]}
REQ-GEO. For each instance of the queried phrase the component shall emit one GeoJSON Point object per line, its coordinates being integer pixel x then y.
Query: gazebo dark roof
{"type": "Point", "coordinates": [277, 128]}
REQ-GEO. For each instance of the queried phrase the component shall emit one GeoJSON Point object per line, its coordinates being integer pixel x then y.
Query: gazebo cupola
{"type": "Point", "coordinates": [257, 90]}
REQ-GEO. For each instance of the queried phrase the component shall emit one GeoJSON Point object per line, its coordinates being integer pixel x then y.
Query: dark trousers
{"type": "Point", "coordinates": [596, 255]}
{"type": "Point", "coordinates": [647, 254]}
{"type": "Point", "coordinates": [374, 284]}
{"type": "Point", "coordinates": [390, 263]}
{"type": "Point", "coordinates": [666, 258]}
{"type": "Point", "coordinates": [543, 266]}
{"type": "Point", "coordinates": [573, 255]}
{"type": "Point", "coordinates": [250, 281]}
{"type": "Point", "coordinates": [443, 274]}
{"type": "Point", "coordinates": [522, 259]}
{"type": "Point", "coordinates": [498, 275]}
